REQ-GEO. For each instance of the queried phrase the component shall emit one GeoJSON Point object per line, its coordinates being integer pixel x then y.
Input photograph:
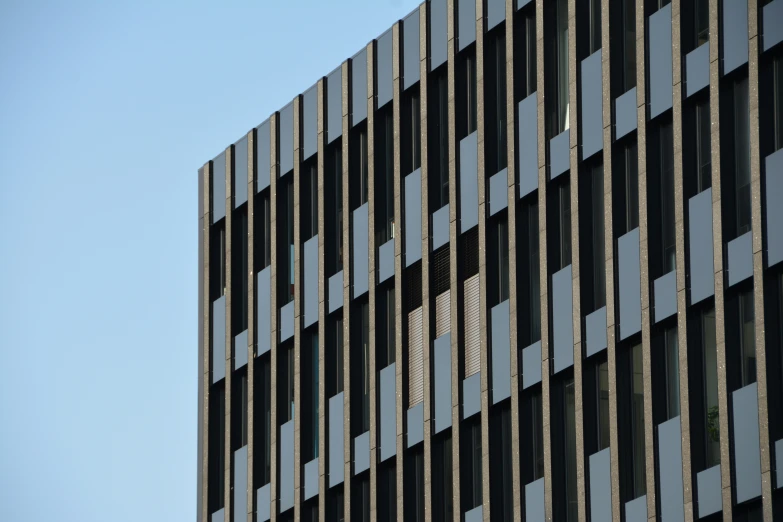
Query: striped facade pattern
{"type": "Point", "coordinates": [462, 312]}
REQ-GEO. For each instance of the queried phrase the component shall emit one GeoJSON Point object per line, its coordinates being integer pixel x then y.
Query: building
{"type": "Point", "coordinates": [513, 260]}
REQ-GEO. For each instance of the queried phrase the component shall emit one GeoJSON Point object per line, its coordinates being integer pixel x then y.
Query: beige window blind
{"type": "Point", "coordinates": [443, 314]}
{"type": "Point", "coordinates": [415, 358]}
{"type": "Point", "coordinates": [472, 336]}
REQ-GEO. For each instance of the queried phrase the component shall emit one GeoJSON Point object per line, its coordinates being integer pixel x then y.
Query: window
{"type": "Point", "coordinates": [665, 373]}
{"type": "Point", "coordinates": [333, 215]}
{"type": "Point", "coordinates": [528, 273]}
{"type": "Point", "coordinates": [591, 245]}
{"type": "Point", "coordinates": [358, 166]}
{"type": "Point", "coordinates": [702, 146]}
{"type": "Point", "coordinates": [559, 234]}
{"type": "Point", "coordinates": [239, 270]}
{"type": "Point", "coordinates": [501, 494]}
{"type": "Point", "coordinates": [384, 176]}
{"type": "Point", "coordinates": [360, 498]}
{"type": "Point", "coordinates": [217, 260]}
{"type": "Point", "coordinates": [622, 25]}
{"type": "Point", "coordinates": [310, 394]}
{"type": "Point", "coordinates": [556, 66]}
{"type": "Point", "coordinates": [360, 369]}
{"type": "Point", "coordinates": [701, 22]}
{"type": "Point", "coordinates": [470, 464]}
{"type": "Point", "coordinates": [386, 493]}
{"type": "Point", "coordinates": [334, 362]}
{"type": "Point", "coordinates": [414, 485]}
{"type": "Point", "coordinates": [411, 132]}
{"type": "Point", "coordinates": [747, 338]}
{"type": "Point", "coordinates": [285, 377]}
{"type": "Point", "coordinates": [661, 194]}
{"type": "Point", "coordinates": [596, 381]}
{"type": "Point", "coordinates": [466, 91]}
{"type": "Point", "coordinates": [566, 497]}
{"type": "Point", "coordinates": [594, 24]}
{"type": "Point", "coordinates": [626, 190]}
{"type": "Point", "coordinates": [262, 421]}
{"type": "Point", "coordinates": [239, 410]}
{"type": "Point", "coordinates": [309, 191]}
{"type": "Point", "coordinates": [498, 257]}
{"type": "Point", "coordinates": [386, 344]}
{"type": "Point", "coordinates": [532, 436]}
{"type": "Point", "coordinates": [742, 156]}
{"type": "Point", "coordinates": [631, 411]}
{"type": "Point", "coordinates": [217, 418]}
{"type": "Point", "coordinates": [442, 483]}
{"type": "Point", "coordinates": [496, 119]}
{"type": "Point", "coordinates": [262, 216]}
{"type": "Point", "coordinates": [777, 96]}
{"type": "Point", "coordinates": [525, 52]}
{"type": "Point", "coordinates": [438, 140]}
{"type": "Point", "coordinates": [285, 226]}
{"type": "Point", "coordinates": [703, 390]}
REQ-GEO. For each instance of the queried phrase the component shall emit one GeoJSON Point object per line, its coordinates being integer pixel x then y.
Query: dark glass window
{"type": "Point", "coordinates": [411, 132]}
{"type": "Point", "coordinates": [777, 104]}
{"type": "Point", "coordinates": [262, 421]}
{"type": "Point", "coordinates": [285, 390]}
{"type": "Point", "coordinates": [525, 52]}
{"type": "Point", "coordinates": [217, 260]}
{"type": "Point", "coordinates": [528, 272]}
{"type": "Point", "coordinates": [559, 233]}
{"type": "Point", "coordinates": [495, 101]}
{"type": "Point", "coordinates": [622, 29]}
{"type": "Point", "coordinates": [360, 371]}
{"type": "Point", "coordinates": [703, 390]}
{"type": "Point", "coordinates": [467, 88]}
{"type": "Point", "coordinates": [631, 408]}
{"type": "Point", "coordinates": [742, 156]}
{"type": "Point", "coordinates": [501, 494]}
{"type": "Point", "coordinates": [384, 176]}
{"type": "Point", "coordinates": [385, 340]}
{"type": "Point", "coordinates": [660, 188]}
{"type": "Point", "coordinates": [217, 418]}
{"type": "Point", "coordinates": [470, 464]}
{"type": "Point", "coordinates": [556, 66]}
{"type": "Point", "coordinates": [285, 252]}
{"type": "Point", "coordinates": [665, 374]}
{"type": "Point", "coordinates": [413, 485]}
{"type": "Point", "coordinates": [703, 148]}
{"type": "Point", "coordinates": [532, 436]}
{"type": "Point", "coordinates": [359, 169]}
{"type": "Point", "coordinates": [262, 221]}
{"type": "Point", "coordinates": [701, 22]}
{"type": "Point", "coordinates": [239, 410]}
{"type": "Point", "coordinates": [596, 381]}
{"type": "Point", "coordinates": [333, 211]}
{"type": "Point", "coordinates": [334, 363]}
{"type": "Point", "coordinates": [594, 25]}
{"type": "Point", "coordinates": [438, 140]}
{"type": "Point", "coordinates": [442, 483]}
{"type": "Point", "coordinates": [360, 498]}
{"type": "Point", "coordinates": [309, 208]}
{"type": "Point", "coordinates": [386, 493]}
{"type": "Point", "coordinates": [591, 245]}
{"type": "Point", "coordinates": [498, 259]}
{"type": "Point", "coordinates": [625, 191]}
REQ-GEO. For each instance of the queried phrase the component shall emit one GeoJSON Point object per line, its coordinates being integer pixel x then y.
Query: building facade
{"type": "Point", "coordinates": [514, 260]}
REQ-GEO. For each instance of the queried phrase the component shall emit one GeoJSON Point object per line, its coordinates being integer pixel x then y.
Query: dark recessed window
{"type": "Point", "coordinates": [556, 66]}
{"type": "Point", "coordinates": [438, 140]}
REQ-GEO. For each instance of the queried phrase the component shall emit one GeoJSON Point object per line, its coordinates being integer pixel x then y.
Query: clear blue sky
{"type": "Point", "coordinates": [107, 110]}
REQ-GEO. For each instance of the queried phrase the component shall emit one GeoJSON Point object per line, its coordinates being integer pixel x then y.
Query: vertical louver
{"type": "Point", "coordinates": [443, 314]}
{"type": "Point", "coordinates": [472, 339]}
{"type": "Point", "coordinates": [415, 354]}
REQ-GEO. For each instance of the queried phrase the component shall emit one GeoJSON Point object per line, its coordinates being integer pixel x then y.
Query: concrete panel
{"type": "Point", "coordinates": [779, 463]}
{"type": "Point", "coordinates": [466, 23]}
{"type": "Point", "coordinates": [386, 261]}
{"type": "Point", "coordinates": [501, 352]}
{"type": "Point", "coordinates": [709, 491]}
{"type": "Point", "coordinates": [534, 501]}
{"type": "Point", "coordinates": [336, 291]}
{"type": "Point", "coordinates": [218, 516]}
{"type": "Point", "coordinates": [773, 173]}
{"type": "Point", "coordinates": [697, 69]}
{"type": "Point", "coordinates": [660, 75]}
{"type": "Point", "coordinates": [745, 434]}
{"type": "Point", "coordinates": [474, 515]}
{"type": "Point", "coordinates": [412, 226]}
{"type": "Point", "coordinates": [311, 296]}
{"type": "Point", "coordinates": [388, 412]}
{"type": "Point", "coordinates": [264, 311]}
{"type": "Point", "coordinates": [702, 274]}
{"type": "Point", "coordinates": [263, 503]}
{"type": "Point", "coordinates": [310, 122]}
{"type": "Point", "coordinates": [311, 479]}
{"type": "Point", "coordinates": [287, 322]}
{"type": "Point", "coordinates": [411, 58]}
{"type": "Point", "coordinates": [359, 87]}
{"type": "Point", "coordinates": [468, 182]}
{"type": "Point", "coordinates": [629, 278]}
{"type": "Point", "coordinates": [383, 70]}
{"type": "Point", "coordinates": [741, 258]}
{"type": "Point", "coordinates": [773, 29]}
{"type": "Point", "coordinates": [531, 365]}
{"type": "Point", "coordinates": [440, 227]}
{"type": "Point", "coordinates": [559, 154]}
{"type": "Point", "coordinates": [527, 124]}
{"type": "Point", "coordinates": [600, 486]}
{"type": "Point", "coordinates": [595, 328]}
{"type": "Point", "coordinates": [592, 131]}
{"type": "Point", "coordinates": [438, 33]}
{"type": "Point", "coordinates": [218, 339]}
{"type": "Point", "coordinates": [562, 319]}
{"type": "Point", "coordinates": [361, 251]}
{"type": "Point", "coordinates": [471, 395]}
{"type": "Point", "coordinates": [361, 453]}
{"type": "Point", "coordinates": [670, 471]}
{"type": "Point", "coordinates": [496, 13]}
{"type": "Point", "coordinates": [734, 30]}
{"type": "Point", "coordinates": [240, 350]}
{"type": "Point", "coordinates": [263, 143]}
{"type": "Point", "coordinates": [240, 172]}
{"type": "Point", "coordinates": [286, 484]}
{"type": "Point", "coordinates": [336, 440]}
{"type": "Point", "coordinates": [498, 192]}
{"type": "Point", "coordinates": [240, 484]}
{"type": "Point", "coordinates": [625, 114]}
{"type": "Point", "coordinates": [415, 418]}
{"type": "Point", "coordinates": [219, 187]}
{"type": "Point", "coordinates": [665, 295]}
{"type": "Point", "coordinates": [442, 382]}
{"type": "Point", "coordinates": [286, 139]}
{"type": "Point", "coordinates": [636, 510]}
{"type": "Point", "coordinates": [334, 104]}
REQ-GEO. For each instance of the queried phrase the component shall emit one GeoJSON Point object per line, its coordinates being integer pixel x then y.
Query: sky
{"type": "Point", "coordinates": [107, 110]}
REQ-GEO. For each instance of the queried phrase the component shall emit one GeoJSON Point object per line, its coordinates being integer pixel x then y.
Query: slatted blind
{"type": "Point", "coordinates": [415, 355]}
{"type": "Point", "coordinates": [472, 337]}
{"type": "Point", "coordinates": [443, 314]}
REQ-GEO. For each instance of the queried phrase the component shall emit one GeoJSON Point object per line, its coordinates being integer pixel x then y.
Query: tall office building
{"type": "Point", "coordinates": [513, 260]}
